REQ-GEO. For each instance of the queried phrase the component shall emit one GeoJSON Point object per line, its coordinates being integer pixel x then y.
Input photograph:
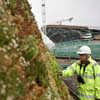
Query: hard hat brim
{"type": "Point", "coordinates": [82, 53]}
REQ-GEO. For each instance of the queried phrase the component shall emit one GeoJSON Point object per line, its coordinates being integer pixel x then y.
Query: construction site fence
{"type": "Point", "coordinates": [69, 49]}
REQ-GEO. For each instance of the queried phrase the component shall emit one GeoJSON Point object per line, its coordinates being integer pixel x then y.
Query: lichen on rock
{"type": "Point", "coordinates": [27, 70]}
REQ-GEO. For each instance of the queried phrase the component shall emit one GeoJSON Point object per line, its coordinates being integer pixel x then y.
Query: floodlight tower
{"type": "Point", "coordinates": [43, 17]}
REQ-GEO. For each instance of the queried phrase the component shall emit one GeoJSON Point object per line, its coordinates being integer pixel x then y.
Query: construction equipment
{"type": "Point", "coordinates": [64, 20]}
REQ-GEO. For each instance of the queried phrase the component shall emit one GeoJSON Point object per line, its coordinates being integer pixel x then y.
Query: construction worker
{"type": "Point", "coordinates": [88, 75]}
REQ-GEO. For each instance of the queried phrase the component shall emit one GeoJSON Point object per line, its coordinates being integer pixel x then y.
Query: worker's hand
{"type": "Point", "coordinates": [59, 75]}
{"type": "Point", "coordinates": [80, 79]}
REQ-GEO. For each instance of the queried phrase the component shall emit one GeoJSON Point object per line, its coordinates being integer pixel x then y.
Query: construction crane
{"type": "Point", "coordinates": [64, 20]}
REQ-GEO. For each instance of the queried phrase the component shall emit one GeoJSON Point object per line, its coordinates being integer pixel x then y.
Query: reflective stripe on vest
{"type": "Point", "coordinates": [98, 75]}
{"type": "Point", "coordinates": [91, 76]}
{"type": "Point", "coordinates": [94, 75]}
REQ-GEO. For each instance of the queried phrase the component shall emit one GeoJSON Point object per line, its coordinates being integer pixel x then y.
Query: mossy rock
{"type": "Point", "coordinates": [27, 70]}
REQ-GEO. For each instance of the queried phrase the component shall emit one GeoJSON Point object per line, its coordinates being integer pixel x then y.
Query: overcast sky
{"type": "Point", "coordinates": [85, 12]}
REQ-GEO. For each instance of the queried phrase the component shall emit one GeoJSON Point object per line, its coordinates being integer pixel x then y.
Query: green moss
{"type": "Point", "coordinates": [6, 31]}
{"type": "Point", "coordinates": [41, 73]}
{"type": "Point", "coordinates": [29, 48]}
{"type": "Point", "coordinates": [29, 73]}
{"type": "Point", "coordinates": [3, 39]}
{"type": "Point", "coordinates": [12, 76]}
{"type": "Point", "coordinates": [11, 4]}
{"type": "Point", "coordinates": [31, 52]}
{"type": "Point", "coordinates": [2, 75]}
{"type": "Point", "coordinates": [1, 11]}
{"type": "Point", "coordinates": [55, 69]}
{"type": "Point", "coordinates": [20, 91]}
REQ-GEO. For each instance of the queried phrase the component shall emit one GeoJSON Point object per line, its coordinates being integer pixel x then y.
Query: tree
{"type": "Point", "coordinates": [27, 70]}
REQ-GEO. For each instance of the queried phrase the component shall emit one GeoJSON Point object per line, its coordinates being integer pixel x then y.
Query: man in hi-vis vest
{"type": "Point", "coordinates": [88, 75]}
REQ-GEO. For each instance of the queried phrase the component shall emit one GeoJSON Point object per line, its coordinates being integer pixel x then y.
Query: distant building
{"type": "Point", "coordinates": [63, 33]}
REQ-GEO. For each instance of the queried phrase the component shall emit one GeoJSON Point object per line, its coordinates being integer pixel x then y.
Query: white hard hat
{"type": "Point", "coordinates": [84, 50]}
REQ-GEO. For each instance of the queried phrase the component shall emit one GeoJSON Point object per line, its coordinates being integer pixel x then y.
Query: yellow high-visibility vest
{"type": "Point", "coordinates": [91, 76]}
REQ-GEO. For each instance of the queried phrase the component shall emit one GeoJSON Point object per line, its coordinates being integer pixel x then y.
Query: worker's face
{"type": "Point", "coordinates": [83, 57]}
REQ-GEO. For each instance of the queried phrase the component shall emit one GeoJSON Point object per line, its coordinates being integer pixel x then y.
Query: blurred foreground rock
{"type": "Point", "coordinates": [27, 70]}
